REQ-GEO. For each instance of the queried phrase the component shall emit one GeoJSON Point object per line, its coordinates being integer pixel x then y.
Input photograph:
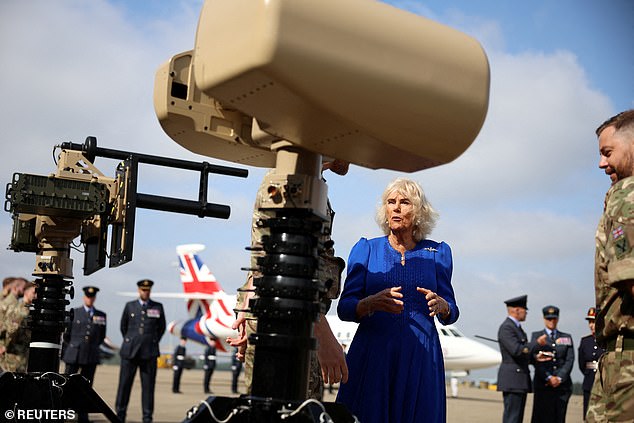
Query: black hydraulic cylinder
{"type": "Point", "coordinates": [287, 305]}
{"type": "Point", "coordinates": [46, 320]}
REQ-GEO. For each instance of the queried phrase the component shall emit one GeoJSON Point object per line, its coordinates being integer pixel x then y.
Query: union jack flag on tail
{"type": "Point", "coordinates": [209, 308]}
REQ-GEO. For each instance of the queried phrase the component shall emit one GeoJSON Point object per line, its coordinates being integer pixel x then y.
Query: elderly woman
{"type": "Point", "coordinates": [396, 286]}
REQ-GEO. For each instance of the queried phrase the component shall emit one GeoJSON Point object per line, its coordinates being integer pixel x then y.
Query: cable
{"type": "Point", "coordinates": [323, 417]}
{"type": "Point", "coordinates": [213, 416]}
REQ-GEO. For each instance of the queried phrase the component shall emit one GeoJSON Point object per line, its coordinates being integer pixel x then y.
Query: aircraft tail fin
{"type": "Point", "coordinates": [196, 278]}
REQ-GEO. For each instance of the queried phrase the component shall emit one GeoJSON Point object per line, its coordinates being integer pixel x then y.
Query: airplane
{"type": "Point", "coordinates": [461, 353]}
{"type": "Point", "coordinates": [209, 307]}
{"type": "Point", "coordinates": [211, 316]}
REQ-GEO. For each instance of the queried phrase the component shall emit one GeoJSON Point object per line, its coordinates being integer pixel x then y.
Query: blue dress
{"type": "Point", "coordinates": [395, 362]}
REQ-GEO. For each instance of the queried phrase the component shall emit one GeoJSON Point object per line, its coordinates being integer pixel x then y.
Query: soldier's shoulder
{"type": "Point", "coordinates": [8, 301]}
{"type": "Point", "coordinates": [620, 198]}
{"type": "Point", "coordinates": [506, 322]}
{"type": "Point", "coordinates": [17, 310]}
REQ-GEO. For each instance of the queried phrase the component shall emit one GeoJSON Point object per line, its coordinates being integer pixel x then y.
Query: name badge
{"type": "Point", "coordinates": [563, 341]}
{"type": "Point", "coordinates": [99, 320]}
{"type": "Point", "coordinates": [154, 313]}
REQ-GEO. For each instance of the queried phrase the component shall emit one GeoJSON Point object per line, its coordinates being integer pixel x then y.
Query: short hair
{"type": "Point", "coordinates": [7, 281]}
{"type": "Point", "coordinates": [424, 214]}
{"type": "Point", "coordinates": [623, 124]}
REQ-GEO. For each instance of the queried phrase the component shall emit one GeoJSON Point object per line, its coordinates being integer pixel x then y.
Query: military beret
{"type": "Point", "coordinates": [145, 284]}
{"type": "Point", "coordinates": [90, 291]}
{"type": "Point", "coordinates": [592, 314]}
{"type": "Point", "coordinates": [550, 312]}
{"type": "Point", "coordinates": [517, 302]}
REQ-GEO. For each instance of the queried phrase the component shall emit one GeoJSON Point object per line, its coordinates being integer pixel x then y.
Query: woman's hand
{"type": "Point", "coordinates": [438, 306]}
{"type": "Point", "coordinates": [386, 300]}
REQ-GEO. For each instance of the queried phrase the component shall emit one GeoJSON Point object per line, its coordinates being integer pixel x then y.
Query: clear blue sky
{"type": "Point", "coordinates": [519, 208]}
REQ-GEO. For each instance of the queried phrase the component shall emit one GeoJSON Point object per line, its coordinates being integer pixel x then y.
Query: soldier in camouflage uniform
{"type": "Point", "coordinates": [12, 291]}
{"type": "Point", "coordinates": [17, 334]}
{"type": "Point", "coordinates": [612, 397]}
{"type": "Point", "coordinates": [328, 363]}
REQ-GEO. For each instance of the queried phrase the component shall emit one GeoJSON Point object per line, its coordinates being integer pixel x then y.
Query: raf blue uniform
{"type": "Point", "coordinates": [142, 327]}
{"type": "Point", "coordinates": [514, 378]}
{"type": "Point", "coordinates": [589, 354]}
{"type": "Point", "coordinates": [85, 334]}
{"type": "Point", "coordinates": [82, 339]}
{"type": "Point", "coordinates": [236, 368]}
{"type": "Point", "coordinates": [550, 404]}
{"type": "Point", "coordinates": [179, 363]}
{"type": "Point", "coordinates": [209, 366]}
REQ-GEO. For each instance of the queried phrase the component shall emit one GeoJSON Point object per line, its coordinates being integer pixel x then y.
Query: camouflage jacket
{"type": "Point", "coordinates": [17, 337]}
{"type": "Point", "coordinates": [7, 302]}
{"type": "Point", "coordinates": [614, 262]}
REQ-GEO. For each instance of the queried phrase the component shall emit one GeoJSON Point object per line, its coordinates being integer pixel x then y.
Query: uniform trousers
{"type": "Point", "coordinates": [236, 368]}
{"type": "Point", "coordinates": [176, 381]}
{"type": "Point", "coordinates": [209, 371]}
{"type": "Point", "coordinates": [586, 401]}
{"type": "Point", "coordinates": [514, 403]}
{"type": "Point", "coordinates": [612, 397]}
{"type": "Point", "coordinates": [550, 405]}
{"type": "Point", "coordinates": [86, 370]}
{"type": "Point", "coordinates": [147, 370]}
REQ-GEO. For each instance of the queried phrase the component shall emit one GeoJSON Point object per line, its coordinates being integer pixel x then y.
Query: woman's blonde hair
{"type": "Point", "coordinates": [424, 214]}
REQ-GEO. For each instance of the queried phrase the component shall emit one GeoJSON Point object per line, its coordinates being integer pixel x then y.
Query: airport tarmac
{"type": "Point", "coordinates": [473, 405]}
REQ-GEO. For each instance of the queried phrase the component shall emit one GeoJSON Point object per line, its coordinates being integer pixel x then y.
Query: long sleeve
{"type": "Point", "coordinates": [509, 339]}
{"type": "Point", "coordinates": [444, 269]}
{"type": "Point", "coordinates": [124, 321]}
{"type": "Point", "coordinates": [354, 289]}
{"type": "Point", "coordinates": [102, 332]}
{"type": "Point", "coordinates": [162, 324]}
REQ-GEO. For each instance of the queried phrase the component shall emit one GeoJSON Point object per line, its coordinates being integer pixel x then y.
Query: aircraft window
{"type": "Point", "coordinates": [455, 333]}
{"type": "Point", "coordinates": [444, 332]}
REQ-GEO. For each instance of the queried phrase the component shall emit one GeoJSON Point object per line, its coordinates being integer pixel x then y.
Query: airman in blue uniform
{"type": "Point", "coordinates": [210, 364]}
{"type": "Point", "coordinates": [589, 354]}
{"type": "Point", "coordinates": [178, 364]}
{"type": "Point", "coordinates": [236, 369]}
{"type": "Point", "coordinates": [514, 378]}
{"type": "Point", "coordinates": [82, 339]}
{"type": "Point", "coordinates": [142, 326]}
{"type": "Point", "coordinates": [553, 361]}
